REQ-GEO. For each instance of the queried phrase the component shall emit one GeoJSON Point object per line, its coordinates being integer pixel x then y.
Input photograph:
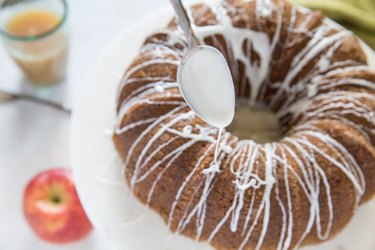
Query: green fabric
{"type": "Point", "coordinates": [356, 15]}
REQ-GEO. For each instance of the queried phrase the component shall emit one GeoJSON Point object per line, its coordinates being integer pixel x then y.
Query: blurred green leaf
{"type": "Point", "coordinates": [356, 15]}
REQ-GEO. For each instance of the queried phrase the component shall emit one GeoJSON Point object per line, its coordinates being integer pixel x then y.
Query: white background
{"type": "Point", "coordinates": [33, 138]}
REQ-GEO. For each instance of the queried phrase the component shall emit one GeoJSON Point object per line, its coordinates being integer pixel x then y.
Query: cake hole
{"type": "Point", "coordinates": [255, 122]}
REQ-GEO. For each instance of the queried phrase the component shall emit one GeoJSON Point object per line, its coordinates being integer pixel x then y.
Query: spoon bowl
{"type": "Point", "coordinates": [205, 81]}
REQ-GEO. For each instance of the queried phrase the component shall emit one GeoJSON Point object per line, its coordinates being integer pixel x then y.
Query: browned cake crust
{"type": "Point", "coordinates": [300, 190]}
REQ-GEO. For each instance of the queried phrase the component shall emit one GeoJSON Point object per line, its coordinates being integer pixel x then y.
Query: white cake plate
{"type": "Point", "coordinates": [120, 218]}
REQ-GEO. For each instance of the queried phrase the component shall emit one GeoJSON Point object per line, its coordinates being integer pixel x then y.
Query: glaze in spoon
{"type": "Point", "coordinates": [204, 78]}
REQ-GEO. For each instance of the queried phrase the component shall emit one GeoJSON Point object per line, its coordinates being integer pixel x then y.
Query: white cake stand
{"type": "Point", "coordinates": [121, 219]}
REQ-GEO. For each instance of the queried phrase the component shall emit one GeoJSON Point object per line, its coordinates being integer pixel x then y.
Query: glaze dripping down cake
{"type": "Point", "coordinates": [300, 189]}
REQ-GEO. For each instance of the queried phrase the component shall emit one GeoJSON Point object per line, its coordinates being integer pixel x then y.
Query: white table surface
{"type": "Point", "coordinates": [34, 138]}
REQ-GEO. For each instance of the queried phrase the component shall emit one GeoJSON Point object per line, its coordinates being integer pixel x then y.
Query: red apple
{"type": "Point", "coordinates": [52, 207]}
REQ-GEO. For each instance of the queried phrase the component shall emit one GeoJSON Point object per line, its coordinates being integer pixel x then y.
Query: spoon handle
{"type": "Point", "coordinates": [185, 23]}
{"type": "Point", "coordinates": [7, 97]}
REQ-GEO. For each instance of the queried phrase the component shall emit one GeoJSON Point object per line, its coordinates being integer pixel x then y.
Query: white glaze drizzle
{"type": "Point", "coordinates": [255, 169]}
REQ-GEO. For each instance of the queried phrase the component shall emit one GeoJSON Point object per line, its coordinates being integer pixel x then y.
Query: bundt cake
{"type": "Point", "coordinates": [300, 189]}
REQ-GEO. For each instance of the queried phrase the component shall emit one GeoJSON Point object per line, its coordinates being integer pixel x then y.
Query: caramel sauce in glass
{"type": "Point", "coordinates": [43, 60]}
{"type": "Point", "coordinates": [32, 22]}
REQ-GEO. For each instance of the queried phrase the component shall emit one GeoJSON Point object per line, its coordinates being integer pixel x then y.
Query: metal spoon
{"type": "Point", "coordinates": [6, 96]}
{"type": "Point", "coordinates": [185, 23]}
{"type": "Point", "coordinates": [204, 78]}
